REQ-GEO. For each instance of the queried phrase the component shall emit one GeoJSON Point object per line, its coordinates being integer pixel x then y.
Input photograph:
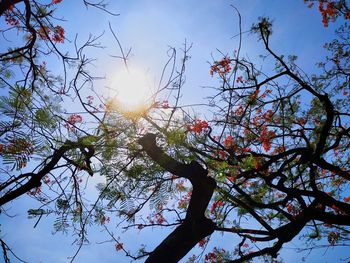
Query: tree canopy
{"type": "Point", "coordinates": [268, 161]}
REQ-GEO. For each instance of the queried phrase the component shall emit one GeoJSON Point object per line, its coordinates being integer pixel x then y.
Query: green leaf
{"type": "Point", "coordinates": [44, 118]}
{"type": "Point", "coordinates": [248, 163]}
{"type": "Point", "coordinates": [35, 212]}
{"type": "Point", "coordinates": [62, 204]}
{"type": "Point", "coordinates": [88, 140]}
{"type": "Point", "coordinates": [176, 137]}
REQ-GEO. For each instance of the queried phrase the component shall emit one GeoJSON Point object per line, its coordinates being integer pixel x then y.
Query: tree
{"type": "Point", "coordinates": [272, 163]}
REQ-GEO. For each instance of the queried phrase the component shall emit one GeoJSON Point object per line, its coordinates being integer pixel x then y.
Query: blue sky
{"type": "Point", "coordinates": [149, 27]}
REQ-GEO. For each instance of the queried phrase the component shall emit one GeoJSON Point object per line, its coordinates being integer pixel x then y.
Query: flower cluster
{"type": "Point", "coordinates": [9, 17]}
{"type": "Point", "coordinates": [74, 118]}
{"type": "Point", "coordinates": [222, 67]}
{"type": "Point", "coordinates": [35, 192]}
{"type": "Point", "coordinates": [202, 242]}
{"type": "Point", "coordinates": [228, 142]}
{"type": "Point", "coordinates": [239, 111]}
{"type": "Point", "coordinates": [165, 104]}
{"type": "Point", "coordinates": [253, 97]}
{"type": "Point", "coordinates": [90, 99]}
{"type": "Point", "coordinates": [330, 10]}
{"type": "Point", "coordinates": [327, 13]}
{"type": "Point", "coordinates": [268, 115]}
{"type": "Point", "coordinates": [279, 149]}
{"type": "Point", "coordinates": [46, 179]}
{"type": "Point", "coordinates": [119, 246]}
{"type": "Point", "coordinates": [337, 210]}
{"type": "Point", "coordinates": [215, 205]}
{"type": "Point", "coordinates": [217, 255]}
{"type": "Point", "coordinates": [58, 35]}
{"type": "Point", "coordinates": [184, 201]}
{"type": "Point", "coordinates": [301, 121]}
{"type": "Point", "coordinates": [333, 237]}
{"type": "Point", "coordinates": [159, 218]}
{"type": "Point", "coordinates": [221, 154]}
{"type": "Point", "coordinates": [292, 209]}
{"type": "Point", "coordinates": [72, 121]}
{"type": "Point", "coordinates": [104, 219]}
{"type": "Point", "coordinates": [180, 186]}
{"type": "Point", "coordinates": [239, 79]}
{"type": "Point", "coordinates": [210, 257]}
{"type": "Point", "coordinates": [265, 138]}
{"type": "Point", "coordinates": [198, 126]}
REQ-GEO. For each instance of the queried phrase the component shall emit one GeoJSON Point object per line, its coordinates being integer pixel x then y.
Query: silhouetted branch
{"type": "Point", "coordinates": [195, 226]}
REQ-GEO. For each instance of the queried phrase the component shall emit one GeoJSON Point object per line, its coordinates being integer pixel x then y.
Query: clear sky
{"type": "Point", "coordinates": [149, 27]}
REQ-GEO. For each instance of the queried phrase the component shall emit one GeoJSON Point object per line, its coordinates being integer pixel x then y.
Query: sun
{"type": "Point", "coordinates": [132, 91]}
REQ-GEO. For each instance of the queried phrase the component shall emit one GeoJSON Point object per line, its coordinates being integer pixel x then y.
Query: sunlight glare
{"type": "Point", "coordinates": [133, 92]}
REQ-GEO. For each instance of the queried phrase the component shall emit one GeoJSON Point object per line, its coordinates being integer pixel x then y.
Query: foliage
{"type": "Point", "coordinates": [271, 164]}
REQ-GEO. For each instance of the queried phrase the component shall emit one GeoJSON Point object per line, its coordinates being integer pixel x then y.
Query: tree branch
{"type": "Point", "coordinates": [195, 226]}
{"type": "Point", "coordinates": [5, 5]}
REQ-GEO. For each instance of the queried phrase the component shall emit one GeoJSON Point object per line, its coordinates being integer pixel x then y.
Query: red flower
{"type": "Point", "coordinates": [210, 257]}
{"type": "Point", "coordinates": [330, 12]}
{"type": "Point", "coordinates": [159, 218]}
{"type": "Point", "coordinates": [232, 179]}
{"type": "Point", "coordinates": [10, 19]}
{"type": "Point", "coordinates": [74, 118]}
{"type": "Point", "coordinates": [46, 179]}
{"type": "Point", "coordinates": [222, 67]}
{"type": "Point", "coordinates": [202, 242]}
{"type": "Point", "coordinates": [198, 126]}
{"type": "Point", "coordinates": [104, 219]}
{"type": "Point", "coordinates": [183, 203]}
{"type": "Point", "coordinates": [266, 137]}
{"type": "Point", "coordinates": [58, 36]}
{"type": "Point", "coordinates": [347, 199]}
{"type": "Point", "coordinates": [279, 149]}
{"type": "Point", "coordinates": [215, 205]}
{"type": "Point", "coordinates": [119, 246]}
{"type": "Point", "coordinates": [165, 104]}
{"type": "Point", "coordinates": [301, 121]}
{"type": "Point", "coordinates": [347, 15]}
{"type": "Point", "coordinates": [246, 150]}
{"type": "Point", "coordinates": [268, 115]}
{"type": "Point", "coordinates": [90, 99]}
{"type": "Point", "coordinates": [55, 2]}
{"type": "Point", "coordinates": [228, 141]}
{"type": "Point", "coordinates": [222, 154]}
{"type": "Point", "coordinates": [239, 79]}
{"type": "Point", "coordinates": [257, 164]}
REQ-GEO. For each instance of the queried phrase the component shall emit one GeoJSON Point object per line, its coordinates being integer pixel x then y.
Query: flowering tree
{"type": "Point", "coordinates": [45, 149]}
{"type": "Point", "coordinates": [272, 163]}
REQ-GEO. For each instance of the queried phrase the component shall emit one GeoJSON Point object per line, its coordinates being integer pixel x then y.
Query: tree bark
{"type": "Point", "coordinates": [195, 226]}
